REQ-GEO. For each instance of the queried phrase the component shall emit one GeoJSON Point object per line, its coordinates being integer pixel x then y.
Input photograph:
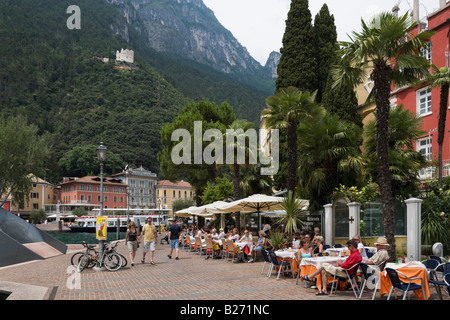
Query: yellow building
{"type": "Point", "coordinates": [167, 192]}
{"type": "Point", "coordinates": [43, 195]}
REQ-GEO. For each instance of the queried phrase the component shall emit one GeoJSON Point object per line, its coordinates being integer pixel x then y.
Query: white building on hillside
{"type": "Point", "coordinates": [125, 55]}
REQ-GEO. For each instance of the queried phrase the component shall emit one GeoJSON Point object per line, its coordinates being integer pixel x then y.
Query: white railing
{"type": "Point", "coordinates": [432, 172]}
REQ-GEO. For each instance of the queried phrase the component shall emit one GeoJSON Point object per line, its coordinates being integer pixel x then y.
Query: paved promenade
{"type": "Point", "coordinates": [189, 278]}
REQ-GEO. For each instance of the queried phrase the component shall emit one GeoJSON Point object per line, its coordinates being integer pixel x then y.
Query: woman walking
{"type": "Point", "coordinates": [131, 240]}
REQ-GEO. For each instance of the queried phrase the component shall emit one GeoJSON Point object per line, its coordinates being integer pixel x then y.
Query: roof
{"type": "Point", "coordinates": [95, 179]}
{"type": "Point", "coordinates": [170, 184]}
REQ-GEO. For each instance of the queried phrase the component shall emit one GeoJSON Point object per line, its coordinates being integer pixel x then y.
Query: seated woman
{"type": "Point", "coordinates": [304, 251]}
{"type": "Point", "coordinates": [318, 245]}
{"type": "Point", "coordinates": [234, 235]}
{"type": "Point", "coordinates": [259, 245]}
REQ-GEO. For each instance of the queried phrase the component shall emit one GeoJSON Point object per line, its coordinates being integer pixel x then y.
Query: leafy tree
{"type": "Point", "coordinates": [325, 37]}
{"type": "Point", "coordinates": [38, 216]}
{"type": "Point", "coordinates": [297, 65]}
{"type": "Point", "coordinates": [79, 212]}
{"type": "Point", "coordinates": [252, 182]}
{"type": "Point", "coordinates": [211, 116]}
{"type": "Point", "coordinates": [23, 154]}
{"type": "Point", "coordinates": [180, 204]}
{"type": "Point", "coordinates": [218, 190]}
{"type": "Point", "coordinates": [81, 161]}
{"type": "Point", "coordinates": [286, 109]}
{"type": "Point", "coordinates": [384, 39]}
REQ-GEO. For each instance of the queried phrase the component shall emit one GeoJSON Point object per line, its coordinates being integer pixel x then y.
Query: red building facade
{"type": "Point", "coordinates": [86, 190]}
{"type": "Point", "coordinates": [423, 100]}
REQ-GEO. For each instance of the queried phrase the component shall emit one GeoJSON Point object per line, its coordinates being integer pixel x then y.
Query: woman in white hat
{"type": "Point", "coordinates": [381, 256]}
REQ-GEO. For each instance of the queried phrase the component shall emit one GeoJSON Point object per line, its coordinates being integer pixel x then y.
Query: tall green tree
{"type": "Point", "coordinates": [211, 116]}
{"type": "Point", "coordinates": [329, 155]}
{"type": "Point", "coordinates": [404, 161]}
{"type": "Point", "coordinates": [387, 50]}
{"type": "Point", "coordinates": [325, 37]}
{"type": "Point", "coordinates": [286, 109]}
{"type": "Point", "coordinates": [441, 78]}
{"type": "Point", "coordinates": [341, 101]}
{"type": "Point", "coordinates": [23, 154]}
{"type": "Point", "coordinates": [297, 65]}
{"type": "Point", "coordinates": [239, 143]}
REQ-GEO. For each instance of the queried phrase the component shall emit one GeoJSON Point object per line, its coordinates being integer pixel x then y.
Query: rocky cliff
{"type": "Point", "coordinates": [272, 63]}
{"type": "Point", "coordinates": [189, 29]}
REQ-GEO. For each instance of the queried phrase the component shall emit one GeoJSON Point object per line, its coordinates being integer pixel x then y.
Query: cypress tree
{"type": "Point", "coordinates": [325, 37]}
{"type": "Point", "coordinates": [297, 64]}
{"type": "Point", "coordinates": [341, 100]}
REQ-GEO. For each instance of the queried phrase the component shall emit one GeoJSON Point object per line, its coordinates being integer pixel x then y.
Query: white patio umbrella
{"type": "Point", "coordinates": [254, 203]}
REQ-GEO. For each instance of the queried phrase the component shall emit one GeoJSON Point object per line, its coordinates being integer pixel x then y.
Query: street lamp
{"type": "Point", "coordinates": [101, 154]}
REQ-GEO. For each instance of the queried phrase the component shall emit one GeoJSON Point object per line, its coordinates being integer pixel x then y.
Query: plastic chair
{"type": "Point", "coordinates": [235, 251]}
{"type": "Point", "coordinates": [338, 245]}
{"type": "Point", "coordinates": [447, 281]}
{"type": "Point", "coordinates": [199, 244]}
{"type": "Point", "coordinates": [372, 277]}
{"type": "Point", "coordinates": [405, 287]}
{"type": "Point", "coordinates": [433, 278]}
{"type": "Point", "coordinates": [349, 277]}
{"type": "Point", "coordinates": [326, 246]}
{"type": "Point", "coordinates": [267, 259]}
{"type": "Point", "coordinates": [275, 262]}
{"type": "Point", "coordinates": [209, 248]}
{"type": "Point", "coordinates": [224, 250]}
{"type": "Point", "coordinates": [190, 245]}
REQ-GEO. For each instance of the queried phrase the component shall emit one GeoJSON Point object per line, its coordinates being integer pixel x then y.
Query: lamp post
{"type": "Point", "coordinates": [101, 155]}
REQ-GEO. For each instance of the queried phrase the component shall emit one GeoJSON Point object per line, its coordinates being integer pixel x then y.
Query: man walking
{"type": "Point", "coordinates": [174, 236]}
{"type": "Point", "coordinates": [150, 237]}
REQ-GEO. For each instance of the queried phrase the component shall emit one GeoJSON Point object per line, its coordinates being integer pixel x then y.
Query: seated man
{"type": "Point", "coordinates": [381, 256]}
{"type": "Point", "coordinates": [328, 269]}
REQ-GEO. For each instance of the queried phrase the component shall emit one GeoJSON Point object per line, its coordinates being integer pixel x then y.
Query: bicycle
{"type": "Point", "coordinates": [110, 259]}
{"type": "Point", "coordinates": [113, 250]}
{"type": "Point", "coordinates": [91, 250]}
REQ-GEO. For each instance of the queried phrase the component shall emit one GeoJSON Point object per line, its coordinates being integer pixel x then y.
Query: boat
{"type": "Point", "coordinates": [88, 223]}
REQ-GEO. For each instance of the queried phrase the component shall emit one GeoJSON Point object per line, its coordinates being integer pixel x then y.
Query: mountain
{"type": "Point", "coordinates": [56, 77]}
{"type": "Point", "coordinates": [272, 63]}
{"type": "Point", "coordinates": [188, 30]}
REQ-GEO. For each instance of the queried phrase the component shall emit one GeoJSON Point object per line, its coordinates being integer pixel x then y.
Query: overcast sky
{"type": "Point", "coordinates": [259, 24]}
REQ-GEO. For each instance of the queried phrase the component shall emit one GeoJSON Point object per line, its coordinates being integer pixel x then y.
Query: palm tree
{"type": "Point", "coordinates": [329, 154]}
{"type": "Point", "coordinates": [441, 78]}
{"type": "Point", "coordinates": [388, 50]}
{"type": "Point", "coordinates": [294, 211]}
{"type": "Point", "coordinates": [404, 161]}
{"type": "Point", "coordinates": [287, 108]}
{"type": "Point", "coordinates": [239, 144]}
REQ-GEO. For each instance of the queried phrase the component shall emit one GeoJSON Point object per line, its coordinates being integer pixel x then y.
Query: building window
{"type": "Point", "coordinates": [424, 147]}
{"type": "Point", "coordinates": [82, 187]}
{"type": "Point", "coordinates": [121, 199]}
{"type": "Point", "coordinates": [423, 101]}
{"type": "Point", "coordinates": [34, 195]}
{"type": "Point", "coordinates": [89, 187]}
{"type": "Point", "coordinates": [115, 199]}
{"type": "Point", "coordinates": [82, 197]}
{"type": "Point", "coordinates": [89, 198]}
{"type": "Point", "coordinates": [35, 206]}
{"type": "Point", "coordinates": [114, 189]}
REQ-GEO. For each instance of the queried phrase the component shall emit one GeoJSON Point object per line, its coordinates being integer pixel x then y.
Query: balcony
{"type": "Point", "coordinates": [432, 172]}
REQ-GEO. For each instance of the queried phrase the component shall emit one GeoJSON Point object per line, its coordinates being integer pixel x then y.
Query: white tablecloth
{"type": "Point", "coordinates": [286, 253]}
{"type": "Point", "coordinates": [371, 249]}
{"type": "Point", "coordinates": [242, 244]}
{"type": "Point", "coordinates": [318, 261]}
{"type": "Point", "coordinates": [410, 264]}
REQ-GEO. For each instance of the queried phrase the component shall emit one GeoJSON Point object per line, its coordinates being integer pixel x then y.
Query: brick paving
{"type": "Point", "coordinates": [189, 278]}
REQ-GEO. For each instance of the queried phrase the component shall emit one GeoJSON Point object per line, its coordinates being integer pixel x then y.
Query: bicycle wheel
{"type": "Point", "coordinates": [112, 261]}
{"type": "Point", "coordinates": [83, 262]}
{"type": "Point", "coordinates": [76, 258]}
{"type": "Point", "coordinates": [124, 260]}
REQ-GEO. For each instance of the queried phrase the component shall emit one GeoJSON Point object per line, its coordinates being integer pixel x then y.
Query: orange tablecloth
{"type": "Point", "coordinates": [411, 272]}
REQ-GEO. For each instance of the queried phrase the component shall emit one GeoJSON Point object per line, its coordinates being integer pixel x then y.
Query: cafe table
{"type": "Point", "coordinates": [411, 269]}
{"type": "Point", "coordinates": [244, 245]}
{"type": "Point", "coordinates": [288, 254]}
{"type": "Point", "coordinates": [310, 265]}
